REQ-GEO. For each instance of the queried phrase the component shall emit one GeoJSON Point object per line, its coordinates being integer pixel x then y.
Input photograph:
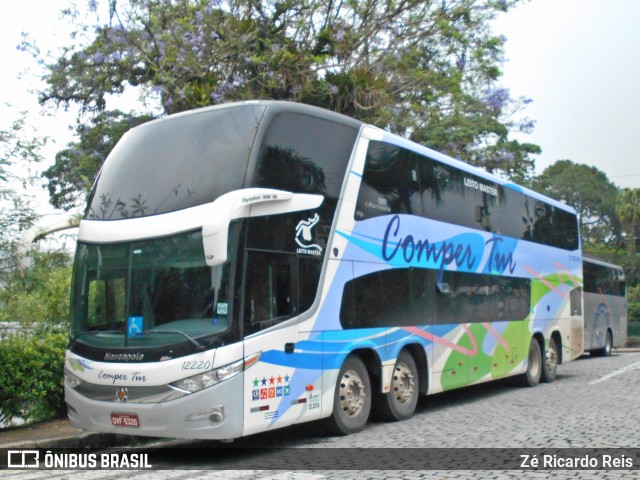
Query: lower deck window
{"type": "Point", "coordinates": [407, 297]}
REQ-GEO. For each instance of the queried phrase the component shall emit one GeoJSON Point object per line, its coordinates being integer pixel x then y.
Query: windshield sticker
{"type": "Point", "coordinates": [304, 236]}
{"type": "Point", "coordinates": [222, 309]}
{"type": "Point", "coordinates": [134, 326]}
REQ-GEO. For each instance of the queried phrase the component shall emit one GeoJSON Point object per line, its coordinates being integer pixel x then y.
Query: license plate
{"type": "Point", "coordinates": [125, 420]}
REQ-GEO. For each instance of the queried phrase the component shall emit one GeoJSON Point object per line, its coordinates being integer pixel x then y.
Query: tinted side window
{"type": "Point", "coordinates": [300, 154]}
{"type": "Point", "coordinates": [305, 154]}
{"type": "Point", "coordinates": [589, 273]}
{"type": "Point", "coordinates": [397, 180]}
{"type": "Point", "coordinates": [281, 278]}
{"type": "Point", "coordinates": [392, 297]}
{"type": "Point", "coordinates": [454, 196]}
{"type": "Point", "coordinates": [389, 182]}
{"type": "Point", "coordinates": [406, 297]}
{"type": "Point", "coordinates": [270, 293]}
{"type": "Point", "coordinates": [469, 297]}
{"type": "Point", "coordinates": [603, 280]}
{"type": "Point", "coordinates": [554, 226]}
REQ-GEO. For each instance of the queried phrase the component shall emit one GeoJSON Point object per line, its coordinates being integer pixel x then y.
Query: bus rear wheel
{"type": "Point", "coordinates": [352, 398]}
{"type": "Point", "coordinates": [531, 377]}
{"type": "Point", "coordinates": [550, 365]}
{"type": "Point", "coordinates": [608, 345]}
{"type": "Point", "coordinates": [400, 402]}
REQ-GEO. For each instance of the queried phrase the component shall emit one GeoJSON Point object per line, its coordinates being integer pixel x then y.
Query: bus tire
{"type": "Point", "coordinates": [608, 345]}
{"type": "Point", "coordinates": [531, 377]}
{"type": "Point", "coordinates": [352, 398]}
{"type": "Point", "coordinates": [550, 364]}
{"type": "Point", "coordinates": [400, 402]}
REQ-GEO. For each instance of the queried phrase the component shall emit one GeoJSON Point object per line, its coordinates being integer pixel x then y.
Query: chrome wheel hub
{"type": "Point", "coordinates": [403, 383]}
{"type": "Point", "coordinates": [352, 393]}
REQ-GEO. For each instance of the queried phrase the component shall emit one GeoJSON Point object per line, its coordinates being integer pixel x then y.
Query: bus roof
{"type": "Point", "coordinates": [274, 107]}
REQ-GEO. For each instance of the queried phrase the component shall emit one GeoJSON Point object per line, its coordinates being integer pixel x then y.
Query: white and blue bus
{"type": "Point", "coordinates": [605, 307]}
{"type": "Point", "coordinates": [249, 266]}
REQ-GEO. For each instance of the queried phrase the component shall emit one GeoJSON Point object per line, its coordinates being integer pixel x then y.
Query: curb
{"type": "Point", "coordinates": [84, 440]}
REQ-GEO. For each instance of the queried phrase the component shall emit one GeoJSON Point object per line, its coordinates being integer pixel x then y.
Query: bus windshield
{"type": "Point", "coordinates": [149, 172]}
{"type": "Point", "coordinates": [152, 293]}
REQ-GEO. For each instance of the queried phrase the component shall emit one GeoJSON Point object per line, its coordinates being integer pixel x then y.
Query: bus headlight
{"type": "Point", "coordinates": [70, 379]}
{"type": "Point", "coordinates": [200, 381]}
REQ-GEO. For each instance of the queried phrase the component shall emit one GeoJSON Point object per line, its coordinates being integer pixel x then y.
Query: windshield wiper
{"type": "Point", "coordinates": [199, 347]}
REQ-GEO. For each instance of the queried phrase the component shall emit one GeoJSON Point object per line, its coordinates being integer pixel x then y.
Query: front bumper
{"type": "Point", "coordinates": [214, 413]}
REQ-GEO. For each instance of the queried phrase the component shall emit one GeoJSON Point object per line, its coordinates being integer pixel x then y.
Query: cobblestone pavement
{"type": "Point", "coordinates": [592, 404]}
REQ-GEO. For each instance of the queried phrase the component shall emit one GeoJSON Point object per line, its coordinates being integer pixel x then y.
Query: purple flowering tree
{"type": "Point", "coordinates": [427, 70]}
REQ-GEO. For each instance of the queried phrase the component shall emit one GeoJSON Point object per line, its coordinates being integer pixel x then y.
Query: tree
{"type": "Point", "coordinates": [427, 70]}
{"type": "Point", "coordinates": [628, 210]}
{"type": "Point", "coordinates": [590, 192]}
{"type": "Point", "coordinates": [16, 212]}
{"type": "Point", "coordinates": [75, 167]}
{"type": "Point", "coordinates": [39, 299]}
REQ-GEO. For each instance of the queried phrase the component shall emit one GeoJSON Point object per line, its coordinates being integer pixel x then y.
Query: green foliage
{"type": "Point", "coordinates": [628, 210]}
{"type": "Point", "coordinates": [32, 384]}
{"type": "Point", "coordinates": [633, 298]}
{"type": "Point", "coordinates": [16, 213]}
{"type": "Point", "coordinates": [590, 192]}
{"type": "Point", "coordinates": [425, 70]}
{"type": "Point", "coordinates": [40, 298]}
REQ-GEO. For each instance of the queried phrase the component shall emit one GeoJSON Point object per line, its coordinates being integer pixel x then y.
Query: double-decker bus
{"type": "Point", "coordinates": [245, 267]}
{"type": "Point", "coordinates": [605, 306]}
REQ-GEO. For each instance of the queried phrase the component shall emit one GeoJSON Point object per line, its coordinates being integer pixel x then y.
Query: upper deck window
{"type": "Point", "coordinates": [305, 154]}
{"type": "Point", "coordinates": [396, 181]}
{"type": "Point", "coordinates": [176, 163]}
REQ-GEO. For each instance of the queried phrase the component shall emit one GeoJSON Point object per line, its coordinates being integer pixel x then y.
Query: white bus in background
{"type": "Point", "coordinates": [605, 306]}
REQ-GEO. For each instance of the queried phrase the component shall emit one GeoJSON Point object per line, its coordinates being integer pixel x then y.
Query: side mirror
{"type": "Point", "coordinates": [249, 202]}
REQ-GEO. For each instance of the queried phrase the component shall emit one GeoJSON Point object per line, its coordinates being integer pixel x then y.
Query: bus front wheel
{"type": "Point", "coordinates": [401, 401]}
{"type": "Point", "coordinates": [531, 377]}
{"type": "Point", "coordinates": [352, 398]}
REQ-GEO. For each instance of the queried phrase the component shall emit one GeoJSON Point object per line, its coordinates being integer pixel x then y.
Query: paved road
{"type": "Point", "coordinates": [592, 404]}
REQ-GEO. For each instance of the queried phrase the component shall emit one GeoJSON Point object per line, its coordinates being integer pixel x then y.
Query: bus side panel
{"type": "Point", "coordinates": [601, 313]}
{"type": "Point", "coordinates": [620, 322]}
{"type": "Point", "coordinates": [284, 387]}
{"type": "Point", "coordinates": [596, 319]}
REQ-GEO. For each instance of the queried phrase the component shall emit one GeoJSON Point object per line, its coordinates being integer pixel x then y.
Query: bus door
{"type": "Point", "coordinates": [285, 384]}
